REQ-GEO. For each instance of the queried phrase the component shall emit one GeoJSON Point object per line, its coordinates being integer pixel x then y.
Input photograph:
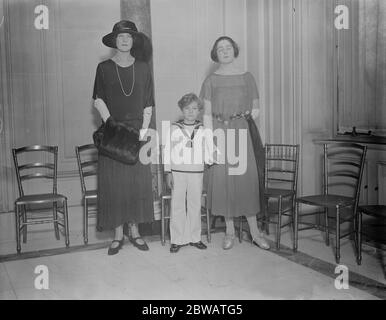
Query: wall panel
{"type": "Point", "coordinates": [270, 59]}
{"type": "Point", "coordinates": [381, 183]}
{"type": "Point", "coordinates": [5, 165]}
{"type": "Point", "coordinates": [318, 86]}
{"type": "Point", "coordinates": [290, 52]}
{"type": "Point", "coordinates": [361, 51]}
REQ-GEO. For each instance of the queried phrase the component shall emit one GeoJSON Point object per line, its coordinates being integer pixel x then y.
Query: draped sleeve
{"type": "Point", "coordinates": [99, 84]}
{"type": "Point", "coordinates": [206, 90]}
{"type": "Point", "coordinates": [252, 88]}
{"type": "Point", "coordinates": [149, 90]}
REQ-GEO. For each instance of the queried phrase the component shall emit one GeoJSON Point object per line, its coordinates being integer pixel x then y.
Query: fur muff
{"type": "Point", "coordinates": [118, 140]}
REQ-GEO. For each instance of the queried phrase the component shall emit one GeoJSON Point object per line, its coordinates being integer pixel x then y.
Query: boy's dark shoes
{"type": "Point", "coordinates": [198, 245]}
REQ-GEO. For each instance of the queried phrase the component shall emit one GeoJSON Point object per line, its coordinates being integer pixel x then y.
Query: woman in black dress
{"type": "Point", "coordinates": [123, 90]}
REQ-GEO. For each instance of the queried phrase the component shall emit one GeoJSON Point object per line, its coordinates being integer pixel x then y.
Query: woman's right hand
{"type": "Point", "coordinates": [169, 180]}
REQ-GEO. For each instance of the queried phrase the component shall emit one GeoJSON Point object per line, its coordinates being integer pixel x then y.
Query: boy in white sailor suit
{"type": "Point", "coordinates": [187, 148]}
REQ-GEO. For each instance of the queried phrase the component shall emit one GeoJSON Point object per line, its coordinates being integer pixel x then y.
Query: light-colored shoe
{"type": "Point", "coordinates": [261, 242]}
{"type": "Point", "coordinates": [228, 242]}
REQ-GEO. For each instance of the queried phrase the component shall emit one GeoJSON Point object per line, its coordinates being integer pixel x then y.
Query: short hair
{"type": "Point", "coordinates": [213, 53]}
{"type": "Point", "coordinates": [188, 98]}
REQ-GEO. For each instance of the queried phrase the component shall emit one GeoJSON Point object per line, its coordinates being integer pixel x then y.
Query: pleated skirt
{"type": "Point", "coordinates": [234, 195]}
{"type": "Point", "coordinates": [124, 193]}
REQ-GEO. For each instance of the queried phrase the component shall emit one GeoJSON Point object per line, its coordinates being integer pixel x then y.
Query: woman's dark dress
{"type": "Point", "coordinates": [124, 191]}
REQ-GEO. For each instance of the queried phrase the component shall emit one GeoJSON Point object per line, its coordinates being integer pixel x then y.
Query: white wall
{"type": "Point", "coordinates": [183, 33]}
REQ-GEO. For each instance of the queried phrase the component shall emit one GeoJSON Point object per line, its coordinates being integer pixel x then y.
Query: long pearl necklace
{"type": "Point", "coordinates": [120, 82]}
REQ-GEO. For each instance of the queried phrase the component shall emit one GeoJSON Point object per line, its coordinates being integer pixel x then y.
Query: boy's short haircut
{"type": "Point", "coordinates": [188, 99]}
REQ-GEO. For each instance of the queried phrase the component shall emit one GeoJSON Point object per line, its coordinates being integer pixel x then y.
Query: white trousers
{"type": "Point", "coordinates": [185, 218]}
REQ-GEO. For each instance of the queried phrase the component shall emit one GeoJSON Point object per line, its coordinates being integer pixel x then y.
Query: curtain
{"type": "Point", "coordinates": [362, 68]}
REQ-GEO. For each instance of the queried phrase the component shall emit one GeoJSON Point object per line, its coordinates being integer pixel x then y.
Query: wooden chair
{"type": "Point", "coordinates": [39, 170]}
{"type": "Point", "coordinates": [342, 171]}
{"type": "Point", "coordinates": [166, 197]}
{"type": "Point", "coordinates": [378, 212]}
{"type": "Point", "coordinates": [87, 158]}
{"type": "Point", "coordinates": [281, 176]}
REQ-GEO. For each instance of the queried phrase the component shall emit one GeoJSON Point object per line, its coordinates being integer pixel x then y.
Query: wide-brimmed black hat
{"type": "Point", "coordinates": [141, 49]}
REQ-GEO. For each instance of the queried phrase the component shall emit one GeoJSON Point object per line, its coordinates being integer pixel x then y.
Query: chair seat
{"type": "Point", "coordinates": [274, 192]}
{"type": "Point", "coordinates": [40, 198]}
{"type": "Point", "coordinates": [91, 194]}
{"type": "Point", "coordinates": [374, 210]}
{"type": "Point", "coordinates": [329, 200]}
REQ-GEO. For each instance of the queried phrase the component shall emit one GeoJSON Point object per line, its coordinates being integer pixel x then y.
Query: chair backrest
{"type": "Point", "coordinates": [281, 166]}
{"type": "Point", "coordinates": [87, 158]}
{"type": "Point", "coordinates": [343, 165]}
{"type": "Point", "coordinates": [46, 169]}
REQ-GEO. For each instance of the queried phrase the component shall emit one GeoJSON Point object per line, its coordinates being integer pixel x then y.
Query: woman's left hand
{"type": "Point", "coordinates": [255, 113]}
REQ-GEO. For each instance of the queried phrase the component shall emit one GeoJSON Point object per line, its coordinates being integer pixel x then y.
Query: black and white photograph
{"type": "Point", "coordinates": [192, 155]}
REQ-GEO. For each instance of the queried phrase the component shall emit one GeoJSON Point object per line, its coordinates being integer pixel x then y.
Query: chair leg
{"type": "Point", "coordinates": [85, 221]}
{"type": "Point", "coordinates": [296, 227]}
{"type": "Point", "coordinates": [355, 220]}
{"type": "Point", "coordinates": [293, 216]}
{"type": "Point", "coordinates": [337, 252]}
{"type": "Point", "coordinates": [208, 225]}
{"type": "Point", "coordinates": [241, 229]}
{"type": "Point", "coordinates": [17, 223]}
{"type": "Point", "coordinates": [66, 228]}
{"type": "Point", "coordinates": [163, 222]}
{"type": "Point", "coordinates": [266, 218]}
{"type": "Point", "coordinates": [359, 238]}
{"type": "Point", "coordinates": [326, 230]}
{"type": "Point", "coordinates": [278, 226]}
{"type": "Point", "coordinates": [56, 226]}
{"type": "Point", "coordinates": [213, 223]}
{"type": "Point", "coordinates": [167, 228]}
{"type": "Point", "coordinates": [24, 216]}
{"type": "Point", "coordinates": [167, 219]}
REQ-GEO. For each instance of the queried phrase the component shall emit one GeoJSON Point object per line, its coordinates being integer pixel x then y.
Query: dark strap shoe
{"type": "Point", "coordinates": [115, 250]}
{"type": "Point", "coordinates": [198, 245]}
{"type": "Point", "coordinates": [174, 248]}
{"type": "Point", "coordinates": [142, 247]}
